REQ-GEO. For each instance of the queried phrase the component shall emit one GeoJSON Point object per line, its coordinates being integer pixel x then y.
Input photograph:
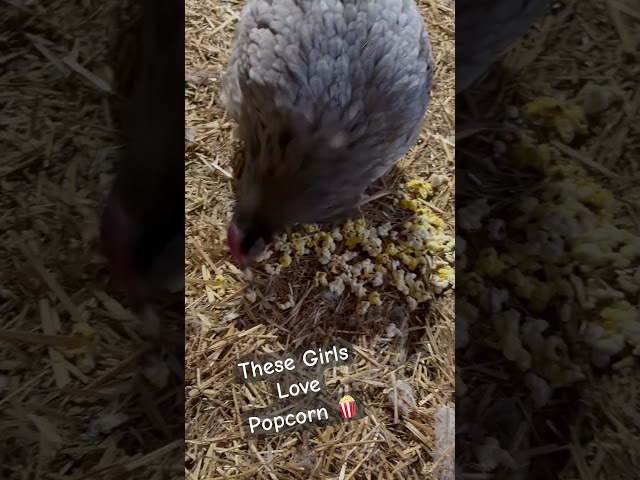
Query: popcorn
{"type": "Point", "coordinates": [383, 230]}
{"type": "Point", "coordinates": [471, 216]}
{"type": "Point", "coordinates": [377, 279]}
{"type": "Point", "coordinates": [416, 257]}
{"type": "Point", "coordinates": [374, 299]}
{"type": "Point", "coordinates": [288, 304]}
{"type": "Point", "coordinates": [413, 303]}
{"type": "Point", "coordinates": [219, 282]}
{"type": "Point", "coordinates": [420, 188]}
{"type": "Point", "coordinates": [273, 269]}
{"type": "Point", "coordinates": [321, 279]}
{"type": "Point", "coordinates": [363, 307]}
{"type": "Point", "coordinates": [251, 296]}
{"type": "Point", "coordinates": [508, 327]}
{"type": "Point", "coordinates": [569, 257]}
{"type": "Point", "coordinates": [337, 286]}
{"type": "Point", "coordinates": [325, 256]}
{"type": "Point", "coordinates": [285, 260]}
{"type": "Point", "coordinates": [437, 180]}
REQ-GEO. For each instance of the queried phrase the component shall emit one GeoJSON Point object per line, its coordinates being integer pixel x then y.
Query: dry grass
{"type": "Point", "coordinates": [396, 439]}
{"type": "Point", "coordinates": [587, 432]}
{"type": "Point", "coordinates": [72, 401]}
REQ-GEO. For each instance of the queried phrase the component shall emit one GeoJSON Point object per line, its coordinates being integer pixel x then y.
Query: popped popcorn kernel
{"type": "Point", "coordinates": [285, 260]}
{"type": "Point", "coordinates": [219, 282]}
{"type": "Point", "coordinates": [321, 279]}
{"type": "Point", "coordinates": [420, 188]}
{"type": "Point", "coordinates": [290, 303]}
{"type": "Point", "coordinates": [374, 299]}
{"type": "Point", "coordinates": [406, 256]}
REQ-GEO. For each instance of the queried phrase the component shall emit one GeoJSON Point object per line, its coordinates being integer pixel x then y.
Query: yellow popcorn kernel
{"type": "Point", "coordinates": [391, 250]}
{"type": "Point", "coordinates": [219, 282]}
{"type": "Point", "coordinates": [82, 330]}
{"type": "Point", "coordinates": [436, 221]}
{"type": "Point", "coordinates": [413, 263]}
{"type": "Point", "coordinates": [422, 297]}
{"type": "Point", "coordinates": [374, 299]}
{"type": "Point", "coordinates": [595, 196]}
{"type": "Point", "coordinates": [409, 204]}
{"type": "Point", "coordinates": [445, 273]}
{"type": "Point", "coordinates": [352, 241]}
{"type": "Point", "coordinates": [414, 185]}
{"type": "Point", "coordinates": [380, 268]}
{"type": "Point", "coordinates": [285, 260]}
{"type": "Point", "coordinates": [544, 108]}
{"type": "Point", "coordinates": [420, 188]}
{"type": "Point", "coordinates": [384, 259]}
{"type": "Point", "coordinates": [348, 227]}
{"type": "Point", "coordinates": [329, 244]}
{"type": "Point", "coordinates": [525, 155]}
{"type": "Point", "coordinates": [616, 315]}
{"type": "Point", "coordinates": [298, 247]}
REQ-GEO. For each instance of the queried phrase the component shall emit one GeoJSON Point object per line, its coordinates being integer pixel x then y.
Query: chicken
{"type": "Point", "coordinates": [485, 29]}
{"type": "Point", "coordinates": [327, 95]}
{"type": "Point", "coordinates": [142, 227]}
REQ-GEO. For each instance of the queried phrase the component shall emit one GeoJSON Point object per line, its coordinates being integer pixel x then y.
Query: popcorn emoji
{"type": "Point", "coordinates": [348, 407]}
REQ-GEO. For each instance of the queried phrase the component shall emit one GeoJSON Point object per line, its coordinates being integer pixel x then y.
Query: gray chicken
{"type": "Point", "coordinates": [485, 29]}
{"type": "Point", "coordinates": [328, 95]}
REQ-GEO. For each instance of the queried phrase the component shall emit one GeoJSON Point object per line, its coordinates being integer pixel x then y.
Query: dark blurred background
{"type": "Point", "coordinates": [82, 393]}
{"type": "Point", "coordinates": [548, 244]}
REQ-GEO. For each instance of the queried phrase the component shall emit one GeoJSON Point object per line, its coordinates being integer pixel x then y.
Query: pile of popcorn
{"type": "Point", "coordinates": [561, 255]}
{"type": "Point", "coordinates": [416, 257]}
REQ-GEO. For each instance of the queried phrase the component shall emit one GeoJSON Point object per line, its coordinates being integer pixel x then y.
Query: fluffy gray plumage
{"type": "Point", "coordinates": [485, 29]}
{"type": "Point", "coordinates": [328, 95]}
